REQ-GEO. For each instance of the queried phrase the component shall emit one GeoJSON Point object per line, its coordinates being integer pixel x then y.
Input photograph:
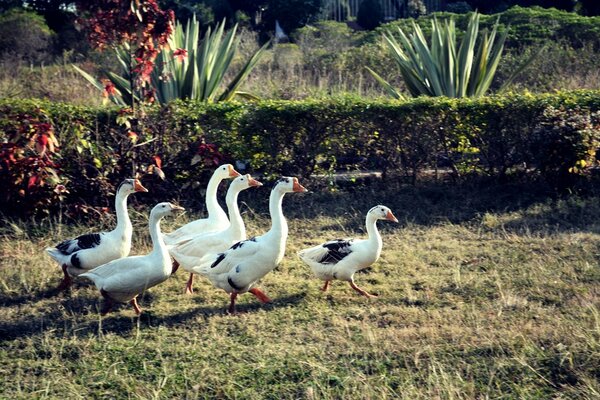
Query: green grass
{"type": "Point", "coordinates": [484, 292]}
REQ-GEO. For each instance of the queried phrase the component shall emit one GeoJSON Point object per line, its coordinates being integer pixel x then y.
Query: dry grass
{"type": "Point", "coordinates": [482, 303]}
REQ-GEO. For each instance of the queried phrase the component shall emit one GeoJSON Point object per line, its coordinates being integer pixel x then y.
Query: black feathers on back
{"type": "Point", "coordinates": [336, 251]}
{"type": "Point", "coordinates": [218, 260]}
{"type": "Point", "coordinates": [86, 241]}
{"type": "Point", "coordinates": [75, 261]}
{"type": "Point", "coordinates": [237, 245]}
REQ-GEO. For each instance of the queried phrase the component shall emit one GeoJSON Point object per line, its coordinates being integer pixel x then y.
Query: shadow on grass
{"type": "Point", "coordinates": [80, 314]}
{"type": "Point", "coordinates": [536, 206]}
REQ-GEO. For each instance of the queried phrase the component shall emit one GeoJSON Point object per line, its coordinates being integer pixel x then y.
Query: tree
{"type": "Point", "coordinates": [590, 7]}
{"type": "Point", "coordinates": [291, 14]}
{"type": "Point", "coordinates": [25, 35]}
{"type": "Point", "coordinates": [370, 14]}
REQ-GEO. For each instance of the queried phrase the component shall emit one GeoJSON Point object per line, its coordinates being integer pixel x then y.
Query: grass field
{"type": "Point", "coordinates": [484, 292]}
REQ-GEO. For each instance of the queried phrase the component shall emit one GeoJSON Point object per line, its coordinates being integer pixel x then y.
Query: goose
{"type": "Point", "coordinates": [341, 258]}
{"type": "Point", "coordinates": [239, 268]}
{"type": "Point", "coordinates": [124, 279]}
{"type": "Point", "coordinates": [216, 220]}
{"type": "Point", "coordinates": [190, 252]}
{"type": "Point", "coordinates": [88, 251]}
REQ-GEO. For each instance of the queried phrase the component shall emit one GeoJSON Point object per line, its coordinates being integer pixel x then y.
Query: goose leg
{"type": "Point", "coordinates": [67, 281]}
{"type": "Point", "coordinates": [325, 286]}
{"type": "Point", "coordinates": [108, 303]}
{"type": "Point", "coordinates": [260, 295]}
{"type": "Point", "coordinates": [232, 304]}
{"type": "Point", "coordinates": [189, 284]}
{"type": "Point", "coordinates": [361, 291]}
{"type": "Point", "coordinates": [136, 306]}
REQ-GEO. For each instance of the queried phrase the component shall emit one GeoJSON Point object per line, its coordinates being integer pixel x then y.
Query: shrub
{"type": "Point", "coordinates": [554, 136]}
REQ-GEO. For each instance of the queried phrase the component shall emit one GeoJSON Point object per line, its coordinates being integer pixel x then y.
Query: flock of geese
{"type": "Point", "coordinates": [215, 247]}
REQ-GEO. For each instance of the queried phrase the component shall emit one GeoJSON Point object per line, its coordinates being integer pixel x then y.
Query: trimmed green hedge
{"type": "Point", "coordinates": [527, 25]}
{"type": "Point", "coordinates": [551, 135]}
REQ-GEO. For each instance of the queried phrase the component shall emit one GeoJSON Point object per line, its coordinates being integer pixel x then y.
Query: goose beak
{"type": "Point", "coordinates": [232, 172]}
{"type": "Point", "coordinates": [253, 182]}
{"type": "Point", "coordinates": [137, 186]}
{"type": "Point", "coordinates": [177, 208]}
{"type": "Point", "coordinates": [390, 217]}
{"type": "Point", "coordinates": [298, 187]}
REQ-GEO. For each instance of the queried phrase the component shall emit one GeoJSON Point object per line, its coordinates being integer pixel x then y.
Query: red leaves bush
{"type": "Point", "coordinates": [29, 171]}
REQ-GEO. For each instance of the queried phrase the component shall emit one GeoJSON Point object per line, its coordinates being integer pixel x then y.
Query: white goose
{"type": "Point", "coordinates": [189, 253]}
{"type": "Point", "coordinates": [243, 264]}
{"type": "Point", "coordinates": [124, 279]}
{"type": "Point", "coordinates": [85, 252]}
{"type": "Point", "coordinates": [341, 258]}
{"type": "Point", "coordinates": [216, 220]}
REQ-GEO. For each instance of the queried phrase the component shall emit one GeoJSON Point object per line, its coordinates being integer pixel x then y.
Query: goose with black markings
{"type": "Point", "coordinates": [78, 255]}
{"type": "Point", "coordinates": [124, 279]}
{"type": "Point", "coordinates": [342, 258]}
{"type": "Point", "coordinates": [190, 252]}
{"type": "Point", "coordinates": [216, 219]}
{"type": "Point", "coordinates": [238, 269]}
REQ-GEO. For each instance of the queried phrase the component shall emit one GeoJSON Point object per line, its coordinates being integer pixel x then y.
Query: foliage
{"type": "Point", "coordinates": [495, 6]}
{"type": "Point", "coordinates": [25, 35]}
{"type": "Point", "coordinates": [445, 68]}
{"type": "Point", "coordinates": [186, 69]}
{"type": "Point", "coordinates": [370, 14]}
{"type": "Point", "coordinates": [30, 174]}
{"type": "Point", "coordinates": [552, 136]}
{"type": "Point", "coordinates": [142, 25]}
{"type": "Point", "coordinates": [526, 26]}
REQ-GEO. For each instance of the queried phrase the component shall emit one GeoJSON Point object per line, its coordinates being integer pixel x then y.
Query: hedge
{"type": "Point", "coordinates": [554, 136]}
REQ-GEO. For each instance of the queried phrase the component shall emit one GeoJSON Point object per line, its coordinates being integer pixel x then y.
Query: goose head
{"type": "Point", "coordinates": [243, 182]}
{"type": "Point", "coordinates": [129, 186]}
{"type": "Point", "coordinates": [382, 212]}
{"type": "Point", "coordinates": [163, 209]}
{"type": "Point", "coordinates": [226, 171]}
{"type": "Point", "coordinates": [288, 184]}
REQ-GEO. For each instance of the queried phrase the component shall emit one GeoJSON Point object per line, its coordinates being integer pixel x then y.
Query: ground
{"type": "Point", "coordinates": [484, 292]}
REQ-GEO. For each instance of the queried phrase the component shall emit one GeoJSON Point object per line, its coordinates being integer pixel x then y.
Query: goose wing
{"type": "Point", "coordinates": [330, 252]}
{"type": "Point", "coordinates": [87, 241]}
{"type": "Point", "coordinates": [224, 262]}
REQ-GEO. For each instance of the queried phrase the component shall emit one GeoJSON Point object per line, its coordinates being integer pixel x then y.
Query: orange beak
{"type": "Point", "coordinates": [390, 217]}
{"type": "Point", "coordinates": [137, 186]}
{"type": "Point", "coordinates": [253, 182]}
{"type": "Point", "coordinates": [232, 172]}
{"type": "Point", "coordinates": [298, 187]}
{"type": "Point", "coordinates": [177, 208]}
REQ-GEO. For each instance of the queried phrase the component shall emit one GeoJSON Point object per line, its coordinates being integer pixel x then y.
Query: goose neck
{"type": "Point", "coordinates": [123, 221]}
{"type": "Point", "coordinates": [158, 244]}
{"type": "Point", "coordinates": [278, 222]}
{"type": "Point", "coordinates": [212, 205]}
{"type": "Point", "coordinates": [237, 223]}
{"type": "Point", "coordinates": [372, 231]}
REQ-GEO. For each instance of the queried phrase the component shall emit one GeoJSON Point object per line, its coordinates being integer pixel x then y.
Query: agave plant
{"type": "Point", "coordinates": [442, 69]}
{"type": "Point", "coordinates": [188, 68]}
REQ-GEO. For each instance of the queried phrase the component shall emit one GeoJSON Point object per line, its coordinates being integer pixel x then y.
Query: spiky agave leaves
{"type": "Point", "coordinates": [443, 68]}
{"type": "Point", "coordinates": [188, 68]}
